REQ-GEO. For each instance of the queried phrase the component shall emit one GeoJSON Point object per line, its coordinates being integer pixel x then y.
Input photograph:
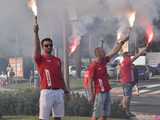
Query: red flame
{"type": "Point", "coordinates": [149, 29]}
{"type": "Point", "coordinates": [131, 18]}
{"type": "Point", "coordinates": [150, 34]}
{"type": "Point", "coordinates": [33, 5]}
{"type": "Point", "coordinates": [86, 79]}
{"type": "Point", "coordinates": [74, 44]}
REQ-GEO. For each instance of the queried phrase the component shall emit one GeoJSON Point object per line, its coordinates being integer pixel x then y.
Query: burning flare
{"type": "Point", "coordinates": [33, 5]}
{"type": "Point", "coordinates": [74, 44]}
{"type": "Point", "coordinates": [119, 34]}
{"type": "Point", "coordinates": [150, 34]}
{"type": "Point", "coordinates": [147, 25]}
{"type": "Point", "coordinates": [131, 18]}
{"type": "Point", "coordinates": [86, 79]}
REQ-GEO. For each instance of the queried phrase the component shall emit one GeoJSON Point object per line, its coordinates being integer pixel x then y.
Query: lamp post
{"type": "Point", "coordinates": [75, 32]}
{"type": "Point", "coordinates": [102, 42]}
{"type": "Point", "coordinates": [65, 47]}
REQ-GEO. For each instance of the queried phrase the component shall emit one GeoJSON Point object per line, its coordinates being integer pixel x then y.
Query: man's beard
{"type": "Point", "coordinates": [49, 52]}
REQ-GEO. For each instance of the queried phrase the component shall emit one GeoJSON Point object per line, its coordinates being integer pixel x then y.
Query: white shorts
{"type": "Point", "coordinates": [51, 101]}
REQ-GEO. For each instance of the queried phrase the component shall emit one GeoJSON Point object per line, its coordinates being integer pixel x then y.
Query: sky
{"type": "Point", "coordinates": [16, 20]}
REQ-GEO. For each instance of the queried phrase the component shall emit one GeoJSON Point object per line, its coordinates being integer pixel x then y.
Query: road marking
{"type": "Point", "coordinates": [152, 86]}
{"type": "Point", "coordinates": [155, 92]}
{"type": "Point", "coordinates": [143, 91]}
{"type": "Point", "coordinates": [149, 89]}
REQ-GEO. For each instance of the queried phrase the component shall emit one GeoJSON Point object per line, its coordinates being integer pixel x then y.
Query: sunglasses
{"type": "Point", "coordinates": [48, 45]}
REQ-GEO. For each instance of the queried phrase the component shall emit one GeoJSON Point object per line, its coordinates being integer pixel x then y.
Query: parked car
{"type": "Point", "coordinates": [112, 70]}
{"type": "Point", "coordinates": [72, 71]}
{"type": "Point", "coordinates": [143, 73]}
{"type": "Point", "coordinates": [83, 69]}
{"type": "Point", "coordinates": [154, 70]}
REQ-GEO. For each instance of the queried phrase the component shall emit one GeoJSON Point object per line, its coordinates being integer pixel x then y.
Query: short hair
{"type": "Point", "coordinates": [95, 51]}
{"type": "Point", "coordinates": [125, 54]}
{"type": "Point", "coordinates": [46, 39]}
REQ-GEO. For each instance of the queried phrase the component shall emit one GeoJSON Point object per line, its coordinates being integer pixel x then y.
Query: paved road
{"type": "Point", "coordinates": [149, 100]}
{"type": "Point", "coordinates": [147, 105]}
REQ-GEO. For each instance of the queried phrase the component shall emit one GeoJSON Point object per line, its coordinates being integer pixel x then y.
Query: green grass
{"type": "Point", "coordinates": [19, 86]}
{"type": "Point", "coordinates": [36, 118]}
{"type": "Point", "coordinates": [114, 84]}
{"type": "Point", "coordinates": [75, 84]}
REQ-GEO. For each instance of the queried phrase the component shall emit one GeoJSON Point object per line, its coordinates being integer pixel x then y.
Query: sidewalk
{"type": "Point", "coordinates": [144, 107]}
{"type": "Point", "coordinates": [140, 116]}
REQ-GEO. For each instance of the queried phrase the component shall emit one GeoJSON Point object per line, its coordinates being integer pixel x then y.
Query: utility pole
{"type": "Point", "coordinates": [75, 32]}
{"type": "Point", "coordinates": [65, 47]}
{"type": "Point", "coordinates": [65, 57]}
{"type": "Point", "coordinates": [102, 42]}
{"type": "Point", "coordinates": [90, 47]}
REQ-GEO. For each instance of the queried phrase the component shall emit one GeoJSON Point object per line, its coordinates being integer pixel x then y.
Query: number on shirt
{"type": "Point", "coordinates": [101, 85]}
{"type": "Point", "coordinates": [48, 77]}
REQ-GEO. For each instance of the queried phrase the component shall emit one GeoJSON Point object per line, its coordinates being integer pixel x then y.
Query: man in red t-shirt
{"type": "Point", "coordinates": [99, 88]}
{"type": "Point", "coordinates": [52, 84]}
{"type": "Point", "coordinates": [127, 79]}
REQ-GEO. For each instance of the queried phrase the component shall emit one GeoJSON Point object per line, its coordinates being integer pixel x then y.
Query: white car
{"type": "Point", "coordinates": [72, 71]}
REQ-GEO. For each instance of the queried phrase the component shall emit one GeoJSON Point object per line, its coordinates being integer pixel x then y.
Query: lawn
{"type": "Point", "coordinates": [36, 118]}
{"type": "Point", "coordinates": [75, 84]}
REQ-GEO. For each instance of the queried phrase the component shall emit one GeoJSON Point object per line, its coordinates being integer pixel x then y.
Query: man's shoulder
{"type": "Point", "coordinates": [56, 58]}
{"type": "Point", "coordinates": [38, 58]}
{"type": "Point", "coordinates": [93, 63]}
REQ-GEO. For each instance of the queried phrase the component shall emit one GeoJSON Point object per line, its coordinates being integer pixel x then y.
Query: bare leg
{"type": "Point", "coordinates": [57, 118]}
{"type": "Point", "coordinates": [137, 90]}
{"type": "Point", "coordinates": [123, 102]}
{"type": "Point", "coordinates": [93, 118]}
{"type": "Point", "coordinates": [127, 103]}
{"type": "Point", "coordinates": [102, 118]}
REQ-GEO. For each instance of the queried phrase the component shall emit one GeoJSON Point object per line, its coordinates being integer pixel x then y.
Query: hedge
{"type": "Point", "coordinates": [19, 102]}
{"type": "Point", "coordinates": [26, 102]}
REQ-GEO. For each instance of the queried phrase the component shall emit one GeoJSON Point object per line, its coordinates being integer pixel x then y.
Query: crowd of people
{"type": "Point", "coordinates": [7, 77]}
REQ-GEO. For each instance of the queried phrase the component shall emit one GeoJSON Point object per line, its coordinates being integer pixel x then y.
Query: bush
{"type": "Point", "coordinates": [26, 102]}
{"type": "Point", "coordinates": [19, 103]}
{"type": "Point", "coordinates": [77, 105]}
{"type": "Point", "coordinates": [116, 110]}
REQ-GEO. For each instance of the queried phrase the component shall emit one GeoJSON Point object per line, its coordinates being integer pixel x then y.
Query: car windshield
{"type": "Point", "coordinates": [73, 68]}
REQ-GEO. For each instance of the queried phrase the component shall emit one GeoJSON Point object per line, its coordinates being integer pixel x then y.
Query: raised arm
{"type": "Point", "coordinates": [37, 47]}
{"type": "Point", "coordinates": [117, 47]}
{"type": "Point", "coordinates": [139, 54]}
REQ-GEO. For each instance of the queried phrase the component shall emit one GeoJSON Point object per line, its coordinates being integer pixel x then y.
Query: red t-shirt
{"type": "Point", "coordinates": [126, 71]}
{"type": "Point", "coordinates": [49, 68]}
{"type": "Point", "coordinates": [98, 73]}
